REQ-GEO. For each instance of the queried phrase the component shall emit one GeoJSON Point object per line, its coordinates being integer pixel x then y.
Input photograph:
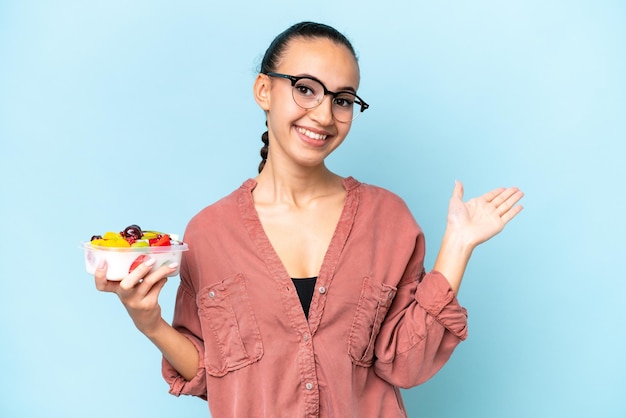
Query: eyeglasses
{"type": "Point", "coordinates": [309, 92]}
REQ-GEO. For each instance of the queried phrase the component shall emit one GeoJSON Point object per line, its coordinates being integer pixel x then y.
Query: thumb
{"type": "Point", "coordinates": [458, 190]}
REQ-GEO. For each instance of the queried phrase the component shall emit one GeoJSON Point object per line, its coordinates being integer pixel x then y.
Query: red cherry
{"type": "Point", "coordinates": [132, 231]}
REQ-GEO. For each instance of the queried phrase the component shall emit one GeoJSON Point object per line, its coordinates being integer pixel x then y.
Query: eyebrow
{"type": "Point", "coordinates": [348, 89]}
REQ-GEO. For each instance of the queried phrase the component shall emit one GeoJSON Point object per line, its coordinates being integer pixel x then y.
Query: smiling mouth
{"type": "Point", "coordinates": [312, 135]}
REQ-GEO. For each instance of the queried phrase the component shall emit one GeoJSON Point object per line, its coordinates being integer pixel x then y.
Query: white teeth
{"type": "Point", "coordinates": [312, 135]}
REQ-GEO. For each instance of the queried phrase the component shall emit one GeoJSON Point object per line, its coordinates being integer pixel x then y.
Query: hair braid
{"type": "Point", "coordinates": [265, 149]}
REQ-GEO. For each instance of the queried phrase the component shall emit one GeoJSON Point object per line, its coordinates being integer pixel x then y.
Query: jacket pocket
{"type": "Point", "coordinates": [374, 303]}
{"type": "Point", "coordinates": [232, 338]}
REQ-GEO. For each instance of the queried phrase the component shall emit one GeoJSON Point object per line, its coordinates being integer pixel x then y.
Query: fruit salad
{"type": "Point", "coordinates": [125, 250]}
{"type": "Point", "coordinates": [133, 236]}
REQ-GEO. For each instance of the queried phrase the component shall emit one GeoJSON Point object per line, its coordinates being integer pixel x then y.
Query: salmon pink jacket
{"type": "Point", "coordinates": [377, 321]}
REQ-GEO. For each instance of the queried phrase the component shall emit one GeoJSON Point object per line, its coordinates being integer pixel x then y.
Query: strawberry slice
{"type": "Point", "coordinates": [142, 258]}
{"type": "Point", "coordinates": [160, 241]}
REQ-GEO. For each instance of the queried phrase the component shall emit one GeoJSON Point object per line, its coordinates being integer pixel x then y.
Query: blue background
{"type": "Point", "coordinates": [120, 112]}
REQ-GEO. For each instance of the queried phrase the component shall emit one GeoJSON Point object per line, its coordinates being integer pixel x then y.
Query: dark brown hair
{"type": "Point", "coordinates": [271, 59]}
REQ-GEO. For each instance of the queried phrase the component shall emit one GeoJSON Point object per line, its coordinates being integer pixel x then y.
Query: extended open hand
{"type": "Point", "coordinates": [480, 218]}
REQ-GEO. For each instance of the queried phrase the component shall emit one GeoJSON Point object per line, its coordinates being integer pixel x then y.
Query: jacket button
{"type": "Point", "coordinates": [211, 294]}
{"type": "Point", "coordinates": [309, 386]}
{"type": "Point", "coordinates": [322, 289]}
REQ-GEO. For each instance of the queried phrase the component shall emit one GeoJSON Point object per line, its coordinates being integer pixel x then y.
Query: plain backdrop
{"type": "Point", "coordinates": [118, 112]}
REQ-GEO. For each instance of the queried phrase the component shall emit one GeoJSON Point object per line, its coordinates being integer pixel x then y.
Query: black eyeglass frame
{"type": "Point", "coordinates": [294, 79]}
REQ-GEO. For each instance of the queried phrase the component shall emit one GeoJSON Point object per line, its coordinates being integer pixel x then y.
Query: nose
{"type": "Point", "coordinates": [323, 113]}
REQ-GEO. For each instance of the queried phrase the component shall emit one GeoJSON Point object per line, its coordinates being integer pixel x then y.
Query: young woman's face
{"type": "Point", "coordinates": [304, 136]}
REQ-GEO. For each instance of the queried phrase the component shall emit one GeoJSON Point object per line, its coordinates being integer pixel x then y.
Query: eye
{"type": "Point", "coordinates": [345, 100]}
{"type": "Point", "coordinates": [307, 88]}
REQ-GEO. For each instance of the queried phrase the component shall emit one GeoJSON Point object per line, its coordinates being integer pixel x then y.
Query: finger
{"type": "Point", "coordinates": [158, 274]}
{"type": "Point", "coordinates": [100, 278]}
{"type": "Point", "coordinates": [503, 195]}
{"type": "Point", "coordinates": [137, 275]}
{"type": "Point", "coordinates": [155, 290]}
{"type": "Point", "coordinates": [491, 195]}
{"type": "Point", "coordinates": [512, 213]}
{"type": "Point", "coordinates": [154, 281]}
{"type": "Point", "coordinates": [458, 190]}
{"type": "Point", "coordinates": [507, 200]}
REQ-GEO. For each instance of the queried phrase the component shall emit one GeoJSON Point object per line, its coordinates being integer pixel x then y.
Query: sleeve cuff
{"type": "Point", "coordinates": [178, 384]}
{"type": "Point", "coordinates": [435, 295]}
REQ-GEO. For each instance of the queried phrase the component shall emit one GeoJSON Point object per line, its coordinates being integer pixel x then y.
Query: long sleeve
{"type": "Point", "coordinates": [425, 322]}
{"type": "Point", "coordinates": [423, 327]}
{"type": "Point", "coordinates": [407, 322]}
{"type": "Point", "coordinates": [187, 322]}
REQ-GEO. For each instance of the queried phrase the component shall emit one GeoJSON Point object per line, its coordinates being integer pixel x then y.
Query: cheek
{"type": "Point", "coordinates": [344, 128]}
{"type": "Point", "coordinates": [342, 134]}
{"type": "Point", "coordinates": [285, 111]}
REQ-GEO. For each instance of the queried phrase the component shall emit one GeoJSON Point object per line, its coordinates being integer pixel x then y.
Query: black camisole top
{"type": "Point", "coordinates": [305, 289]}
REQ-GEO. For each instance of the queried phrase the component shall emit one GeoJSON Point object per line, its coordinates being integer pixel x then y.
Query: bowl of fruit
{"type": "Point", "coordinates": [123, 251]}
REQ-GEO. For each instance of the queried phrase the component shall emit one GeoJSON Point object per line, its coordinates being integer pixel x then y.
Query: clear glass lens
{"type": "Point", "coordinates": [345, 107]}
{"type": "Point", "coordinates": [309, 93]}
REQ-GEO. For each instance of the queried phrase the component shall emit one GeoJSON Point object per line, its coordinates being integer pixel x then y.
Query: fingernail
{"type": "Point", "coordinates": [173, 265]}
{"type": "Point", "coordinates": [101, 264]}
{"type": "Point", "coordinates": [150, 262]}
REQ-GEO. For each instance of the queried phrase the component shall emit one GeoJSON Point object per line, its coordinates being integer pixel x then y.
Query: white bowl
{"type": "Point", "coordinates": [120, 259]}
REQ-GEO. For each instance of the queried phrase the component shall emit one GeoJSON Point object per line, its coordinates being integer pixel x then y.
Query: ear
{"type": "Point", "coordinates": [261, 91]}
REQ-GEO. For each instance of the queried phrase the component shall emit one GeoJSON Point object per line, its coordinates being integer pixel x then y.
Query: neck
{"type": "Point", "coordinates": [295, 185]}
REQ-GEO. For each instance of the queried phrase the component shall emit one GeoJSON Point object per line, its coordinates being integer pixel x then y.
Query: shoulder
{"type": "Point", "coordinates": [380, 197]}
{"type": "Point", "coordinates": [222, 213]}
{"type": "Point", "coordinates": [379, 207]}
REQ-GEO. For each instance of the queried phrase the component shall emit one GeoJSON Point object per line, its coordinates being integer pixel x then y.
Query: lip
{"type": "Point", "coordinates": [315, 137]}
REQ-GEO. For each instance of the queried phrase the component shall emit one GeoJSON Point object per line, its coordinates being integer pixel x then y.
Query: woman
{"type": "Point", "coordinates": [304, 293]}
